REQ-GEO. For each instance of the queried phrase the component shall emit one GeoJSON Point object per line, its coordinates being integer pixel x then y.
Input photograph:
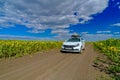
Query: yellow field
{"type": "Point", "coordinates": [9, 48]}
{"type": "Point", "coordinates": [111, 48]}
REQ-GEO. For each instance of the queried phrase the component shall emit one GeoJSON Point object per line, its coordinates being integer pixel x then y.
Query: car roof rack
{"type": "Point", "coordinates": [75, 36]}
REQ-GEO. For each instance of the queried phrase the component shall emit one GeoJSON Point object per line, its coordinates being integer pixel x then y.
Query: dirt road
{"type": "Point", "coordinates": [52, 65]}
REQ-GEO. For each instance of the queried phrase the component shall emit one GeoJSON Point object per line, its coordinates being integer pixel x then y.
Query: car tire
{"type": "Point", "coordinates": [83, 49]}
{"type": "Point", "coordinates": [61, 51]}
{"type": "Point", "coordinates": [80, 50]}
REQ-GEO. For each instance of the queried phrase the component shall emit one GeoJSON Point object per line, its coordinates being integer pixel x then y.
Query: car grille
{"type": "Point", "coordinates": [69, 46]}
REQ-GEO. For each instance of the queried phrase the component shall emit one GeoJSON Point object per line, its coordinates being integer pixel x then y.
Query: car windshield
{"type": "Point", "coordinates": [73, 40]}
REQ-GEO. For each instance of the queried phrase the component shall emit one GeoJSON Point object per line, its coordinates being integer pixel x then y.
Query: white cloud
{"type": "Point", "coordinates": [84, 32]}
{"type": "Point", "coordinates": [117, 24]}
{"type": "Point", "coordinates": [99, 32]}
{"type": "Point", "coordinates": [22, 37]}
{"type": "Point", "coordinates": [40, 15]}
{"type": "Point", "coordinates": [116, 32]}
{"type": "Point", "coordinates": [87, 37]}
{"type": "Point", "coordinates": [117, 36]}
{"type": "Point", "coordinates": [4, 24]}
{"type": "Point", "coordinates": [119, 7]}
{"type": "Point", "coordinates": [61, 34]}
{"type": "Point", "coordinates": [35, 31]}
{"type": "Point", "coordinates": [60, 31]}
{"type": "Point", "coordinates": [118, 3]}
{"type": "Point", "coordinates": [102, 36]}
{"type": "Point", "coordinates": [96, 37]}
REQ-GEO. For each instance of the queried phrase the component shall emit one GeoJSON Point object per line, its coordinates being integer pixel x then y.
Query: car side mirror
{"type": "Point", "coordinates": [65, 40]}
{"type": "Point", "coordinates": [83, 40]}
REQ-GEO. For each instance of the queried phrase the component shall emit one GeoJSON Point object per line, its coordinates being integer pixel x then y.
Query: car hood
{"type": "Point", "coordinates": [71, 43]}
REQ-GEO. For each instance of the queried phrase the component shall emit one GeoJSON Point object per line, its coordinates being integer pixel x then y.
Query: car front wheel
{"type": "Point", "coordinates": [80, 50]}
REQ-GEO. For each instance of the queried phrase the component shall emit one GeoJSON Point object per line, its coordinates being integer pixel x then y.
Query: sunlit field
{"type": "Point", "coordinates": [10, 48]}
{"type": "Point", "coordinates": [111, 48]}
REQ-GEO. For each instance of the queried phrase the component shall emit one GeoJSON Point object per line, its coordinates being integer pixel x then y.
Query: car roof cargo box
{"type": "Point", "coordinates": [75, 36]}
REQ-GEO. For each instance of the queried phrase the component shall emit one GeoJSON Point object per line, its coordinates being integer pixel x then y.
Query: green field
{"type": "Point", "coordinates": [111, 49]}
{"type": "Point", "coordinates": [10, 48]}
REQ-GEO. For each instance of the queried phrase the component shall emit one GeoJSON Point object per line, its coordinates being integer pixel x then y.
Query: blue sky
{"type": "Point", "coordinates": [58, 19]}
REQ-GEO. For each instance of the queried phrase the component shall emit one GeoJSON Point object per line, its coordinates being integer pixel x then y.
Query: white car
{"type": "Point", "coordinates": [74, 44]}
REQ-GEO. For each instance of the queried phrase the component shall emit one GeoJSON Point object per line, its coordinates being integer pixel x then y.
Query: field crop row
{"type": "Point", "coordinates": [9, 48]}
{"type": "Point", "coordinates": [111, 48]}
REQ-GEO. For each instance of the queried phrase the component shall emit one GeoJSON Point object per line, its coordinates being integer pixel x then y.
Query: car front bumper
{"type": "Point", "coordinates": [69, 50]}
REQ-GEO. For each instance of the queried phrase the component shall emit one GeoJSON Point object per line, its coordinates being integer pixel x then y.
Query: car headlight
{"type": "Point", "coordinates": [76, 45]}
{"type": "Point", "coordinates": [63, 45]}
